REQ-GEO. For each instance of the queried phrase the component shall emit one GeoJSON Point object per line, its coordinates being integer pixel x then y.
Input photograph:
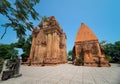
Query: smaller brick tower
{"type": "Point", "coordinates": [88, 48]}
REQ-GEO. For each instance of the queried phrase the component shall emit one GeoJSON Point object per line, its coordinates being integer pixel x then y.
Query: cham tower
{"type": "Point", "coordinates": [48, 43]}
{"type": "Point", "coordinates": [87, 47]}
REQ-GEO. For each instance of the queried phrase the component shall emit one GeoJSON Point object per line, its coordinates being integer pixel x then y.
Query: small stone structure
{"type": "Point", "coordinates": [48, 44]}
{"type": "Point", "coordinates": [11, 68]}
{"type": "Point", "coordinates": [88, 48]}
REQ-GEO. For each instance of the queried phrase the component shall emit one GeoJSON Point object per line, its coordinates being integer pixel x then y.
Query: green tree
{"type": "Point", "coordinates": [18, 13]}
{"type": "Point", "coordinates": [25, 45]}
{"type": "Point", "coordinates": [26, 48]}
{"type": "Point", "coordinates": [70, 55]}
{"type": "Point", "coordinates": [7, 51]}
{"type": "Point", "coordinates": [116, 52]}
{"type": "Point", "coordinates": [112, 50]}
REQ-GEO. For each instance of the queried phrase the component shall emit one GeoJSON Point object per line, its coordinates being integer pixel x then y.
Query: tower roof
{"type": "Point", "coordinates": [85, 34]}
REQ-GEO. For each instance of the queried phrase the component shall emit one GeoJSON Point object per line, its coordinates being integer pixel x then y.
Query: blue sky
{"type": "Point", "coordinates": [102, 16]}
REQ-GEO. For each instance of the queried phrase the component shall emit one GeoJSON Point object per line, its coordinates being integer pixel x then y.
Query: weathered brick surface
{"type": "Point", "coordinates": [48, 44]}
{"type": "Point", "coordinates": [87, 47]}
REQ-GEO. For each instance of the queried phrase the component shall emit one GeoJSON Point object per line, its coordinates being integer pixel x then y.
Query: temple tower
{"type": "Point", "coordinates": [87, 47]}
{"type": "Point", "coordinates": [48, 43]}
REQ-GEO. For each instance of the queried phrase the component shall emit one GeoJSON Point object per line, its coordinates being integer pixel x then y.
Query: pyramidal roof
{"type": "Point", "coordinates": [85, 34]}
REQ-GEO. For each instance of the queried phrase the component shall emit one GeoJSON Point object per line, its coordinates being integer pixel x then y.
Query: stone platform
{"type": "Point", "coordinates": [67, 74]}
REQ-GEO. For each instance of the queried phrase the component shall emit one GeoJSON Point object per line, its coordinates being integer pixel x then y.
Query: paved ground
{"type": "Point", "coordinates": [67, 74]}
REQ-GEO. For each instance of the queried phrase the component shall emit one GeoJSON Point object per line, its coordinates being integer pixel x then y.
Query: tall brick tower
{"type": "Point", "coordinates": [48, 43]}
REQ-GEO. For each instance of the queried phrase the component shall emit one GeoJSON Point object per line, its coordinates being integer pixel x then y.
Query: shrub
{"type": "Point", "coordinates": [109, 58]}
{"type": "Point", "coordinates": [79, 60]}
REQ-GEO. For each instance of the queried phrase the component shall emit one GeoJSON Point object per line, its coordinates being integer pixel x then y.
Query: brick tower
{"type": "Point", "coordinates": [48, 43]}
{"type": "Point", "coordinates": [87, 47]}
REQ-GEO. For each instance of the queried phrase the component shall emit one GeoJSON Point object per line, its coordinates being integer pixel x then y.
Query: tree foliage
{"type": "Point", "coordinates": [25, 45]}
{"type": "Point", "coordinates": [112, 50]}
{"type": "Point", "coordinates": [70, 55]}
{"type": "Point", "coordinates": [7, 51]}
{"type": "Point", "coordinates": [19, 13]}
